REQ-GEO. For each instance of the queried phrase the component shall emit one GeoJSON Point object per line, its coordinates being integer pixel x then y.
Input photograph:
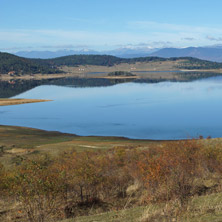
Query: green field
{"type": "Point", "coordinates": [22, 141]}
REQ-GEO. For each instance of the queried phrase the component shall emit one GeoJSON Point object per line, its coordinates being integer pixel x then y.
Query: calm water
{"type": "Point", "coordinates": [147, 111]}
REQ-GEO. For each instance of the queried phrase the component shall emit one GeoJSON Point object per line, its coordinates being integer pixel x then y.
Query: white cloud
{"type": "Point", "coordinates": [148, 34]}
{"type": "Point", "coordinates": [65, 46]}
{"type": "Point", "coordinates": [180, 34]}
{"type": "Point", "coordinates": [211, 38]}
{"type": "Point", "coordinates": [71, 39]}
{"type": "Point", "coordinates": [167, 27]}
{"type": "Point", "coordinates": [61, 36]}
{"type": "Point", "coordinates": [188, 39]}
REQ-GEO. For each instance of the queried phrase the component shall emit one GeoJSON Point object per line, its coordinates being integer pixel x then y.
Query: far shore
{"type": "Point", "coordinates": [8, 102]}
{"type": "Point", "coordinates": [141, 70]}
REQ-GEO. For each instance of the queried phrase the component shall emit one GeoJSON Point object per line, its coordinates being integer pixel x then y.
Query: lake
{"type": "Point", "coordinates": [166, 110]}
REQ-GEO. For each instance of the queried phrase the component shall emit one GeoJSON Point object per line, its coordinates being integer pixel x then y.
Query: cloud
{"type": "Point", "coordinates": [55, 39]}
{"type": "Point", "coordinates": [163, 43]}
{"type": "Point", "coordinates": [136, 34]}
{"type": "Point", "coordinates": [16, 48]}
{"type": "Point", "coordinates": [189, 39]}
{"type": "Point", "coordinates": [65, 46]}
{"type": "Point", "coordinates": [182, 33]}
{"type": "Point", "coordinates": [146, 45]}
{"type": "Point", "coordinates": [151, 25]}
{"type": "Point", "coordinates": [72, 37]}
{"type": "Point", "coordinates": [211, 38]}
{"type": "Point", "coordinates": [45, 47]}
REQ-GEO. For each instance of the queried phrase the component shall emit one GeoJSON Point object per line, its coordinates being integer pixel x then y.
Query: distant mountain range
{"type": "Point", "coordinates": [121, 52]}
{"type": "Point", "coordinates": [205, 53]}
{"type": "Point", "coordinates": [52, 54]}
{"type": "Point", "coordinates": [131, 52]}
{"type": "Point", "coordinates": [213, 53]}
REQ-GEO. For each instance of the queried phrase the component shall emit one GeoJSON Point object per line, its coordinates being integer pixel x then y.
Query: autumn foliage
{"type": "Point", "coordinates": [75, 182]}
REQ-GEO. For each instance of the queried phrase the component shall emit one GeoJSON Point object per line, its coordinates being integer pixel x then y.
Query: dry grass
{"type": "Point", "coordinates": [8, 102]}
{"type": "Point", "coordinates": [200, 209]}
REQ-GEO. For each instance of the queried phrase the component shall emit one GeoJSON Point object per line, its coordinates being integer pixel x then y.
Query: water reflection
{"type": "Point", "coordinates": [165, 110]}
{"type": "Point", "coordinates": [15, 87]}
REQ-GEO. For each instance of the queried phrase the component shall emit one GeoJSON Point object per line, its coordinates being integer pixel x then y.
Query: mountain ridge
{"type": "Point", "coordinates": [210, 53]}
{"type": "Point", "coordinates": [204, 53]}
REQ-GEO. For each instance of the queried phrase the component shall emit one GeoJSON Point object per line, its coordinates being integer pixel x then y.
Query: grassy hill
{"type": "Point", "coordinates": [106, 60]}
{"type": "Point", "coordinates": [200, 209]}
{"type": "Point", "coordinates": [19, 65]}
{"type": "Point", "coordinates": [193, 63]}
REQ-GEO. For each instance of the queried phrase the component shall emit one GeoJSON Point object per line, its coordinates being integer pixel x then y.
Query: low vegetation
{"type": "Point", "coordinates": [109, 180]}
{"type": "Point", "coordinates": [193, 63]}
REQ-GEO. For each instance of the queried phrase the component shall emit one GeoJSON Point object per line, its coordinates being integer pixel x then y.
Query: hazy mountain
{"type": "Point", "coordinates": [205, 53]}
{"type": "Point", "coordinates": [131, 52]}
{"type": "Point", "coordinates": [121, 52]}
{"type": "Point", "coordinates": [53, 54]}
{"type": "Point", "coordinates": [213, 53]}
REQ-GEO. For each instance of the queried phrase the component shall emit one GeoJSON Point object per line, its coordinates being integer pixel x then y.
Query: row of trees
{"type": "Point", "coordinates": [194, 63]}
{"type": "Point", "coordinates": [49, 189]}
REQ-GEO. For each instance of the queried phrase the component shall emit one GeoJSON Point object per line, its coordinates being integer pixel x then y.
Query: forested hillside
{"type": "Point", "coordinates": [100, 60]}
{"type": "Point", "coordinates": [19, 65]}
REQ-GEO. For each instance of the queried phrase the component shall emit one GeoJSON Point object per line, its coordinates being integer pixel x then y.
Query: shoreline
{"type": "Point", "coordinates": [122, 138]}
{"type": "Point", "coordinates": [101, 72]}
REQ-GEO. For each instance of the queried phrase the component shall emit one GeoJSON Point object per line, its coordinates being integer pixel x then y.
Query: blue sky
{"type": "Point", "coordinates": [108, 24]}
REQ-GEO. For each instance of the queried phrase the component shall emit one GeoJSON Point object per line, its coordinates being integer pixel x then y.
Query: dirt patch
{"type": "Point", "coordinates": [18, 151]}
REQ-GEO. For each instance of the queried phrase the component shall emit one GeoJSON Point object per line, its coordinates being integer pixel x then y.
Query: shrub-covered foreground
{"type": "Point", "coordinates": [86, 183]}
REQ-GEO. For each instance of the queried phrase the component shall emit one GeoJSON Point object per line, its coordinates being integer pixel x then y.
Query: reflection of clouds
{"type": "Point", "coordinates": [214, 79]}
{"type": "Point", "coordinates": [132, 103]}
{"type": "Point", "coordinates": [39, 118]}
{"type": "Point", "coordinates": [139, 99]}
{"type": "Point", "coordinates": [164, 84]}
{"type": "Point", "coordinates": [2, 112]}
{"type": "Point", "coordinates": [197, 86]}
{"type": "Point", "coordinates": [190, 88]}
{"type": "Point", "coordinates": [212, 88]}
{"type": "Point", "coordinates": [175, 87]}
{"type": "Point", "coordinates": [117, 124]}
